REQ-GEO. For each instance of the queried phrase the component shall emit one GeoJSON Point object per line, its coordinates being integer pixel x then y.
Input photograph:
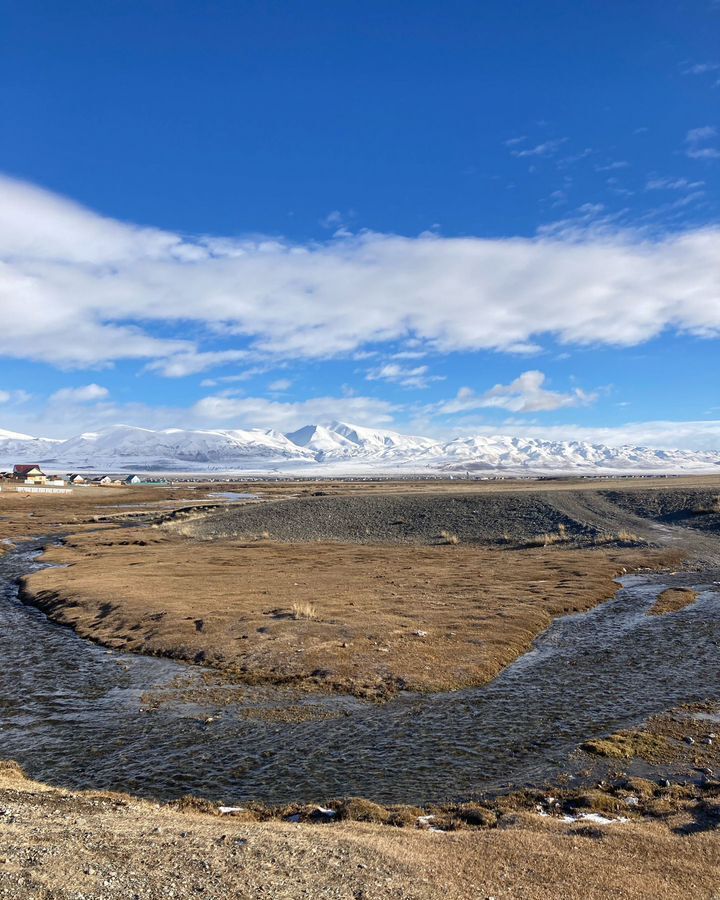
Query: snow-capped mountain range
{"type": "Point", "coordinates": [335, 449]}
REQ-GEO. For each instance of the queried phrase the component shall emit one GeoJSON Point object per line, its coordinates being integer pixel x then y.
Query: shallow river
{"type": "Point", "coordinates": [72, 713]}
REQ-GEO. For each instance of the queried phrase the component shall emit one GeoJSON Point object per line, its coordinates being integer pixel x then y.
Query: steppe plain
{"type": "Point", "coordinates": [367, 589]}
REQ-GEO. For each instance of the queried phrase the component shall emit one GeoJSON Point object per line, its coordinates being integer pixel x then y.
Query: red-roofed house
{"type": "Point", "coordinates": [30, 474]}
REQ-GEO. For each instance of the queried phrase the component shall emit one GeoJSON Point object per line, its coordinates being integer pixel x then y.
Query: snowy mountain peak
{"type": "Point", "coordinates": [336, 449]}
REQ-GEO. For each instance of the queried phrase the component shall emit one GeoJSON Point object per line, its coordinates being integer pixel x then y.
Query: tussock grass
{"type": "Point", "coordinates": [190, 803]}
{"type": "Point", "coordinates": [707, 509]}
{"type": "Point", "coordinates": [618, 537]}
{"type": "Point", "coordinates": [672, 600]}
{"type": "Point", "coordinates": [303, 611]}
{"type": "Point", "coordinates": [11, 769]}
{"type": "Point", "coordinates": [629, 744]}
{"type": "Point", "coordinates": [560, 536]}
{"type": "Point", "coordinates": [447, 537]}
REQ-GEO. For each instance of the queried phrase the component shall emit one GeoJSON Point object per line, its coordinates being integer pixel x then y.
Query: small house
{"type": "Point", "coordinates": [76, 478]}
{"type": "Point", "coordinates": [106, 479]}
{"type": "Point", "coordinates": [30, 474]}
{"type": "Point", "coordinates": [133, 479]}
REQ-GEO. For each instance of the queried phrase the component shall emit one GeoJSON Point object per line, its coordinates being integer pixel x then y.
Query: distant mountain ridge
{"type": "Point", "coordinates": [336, 448]}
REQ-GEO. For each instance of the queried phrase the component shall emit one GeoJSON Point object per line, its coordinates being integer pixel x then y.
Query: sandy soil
{"type": "Point", "coordinates": [354, 618]}
{"type": "Point", "coordinates": [66, 846]}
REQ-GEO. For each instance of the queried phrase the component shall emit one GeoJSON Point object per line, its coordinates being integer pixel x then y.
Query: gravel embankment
{"type": "Point", "coordinates": [472, 518]}
{"type": "Point", "coordinates": [695, 509]}
{"type": "Point", "coordinates": [399, 518]}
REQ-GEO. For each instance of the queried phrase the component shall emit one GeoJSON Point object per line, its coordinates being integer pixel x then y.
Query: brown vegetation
{"type": "Point", "coordinates": [357, 618]}
{"type": "Point", "coordinates": [65, 845]}
{"type": "Point", "coordinates": [672, 600]}
{"type": "Point", "coordinates": [629, 744]}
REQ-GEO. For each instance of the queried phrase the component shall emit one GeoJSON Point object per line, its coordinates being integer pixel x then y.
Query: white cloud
{"type": "Point", "coordinates": [191, 362]}
{"type": "Point", "coordinates": [85, 394]}
{"type": "Point", "coordinates": [547, 148]}
{"type": "Point", "coordinates": [263, 413]}
{"type": "Point", "coordinates": [703, 153]}
{"type": "Point", "coordinates": [701, 68]}
{"type": "Point", "coordinates": [526, 394]}
{"type": "Point", "coordinates": [406, 376]}
{"type": "Point", "coordinates": [281, 384]}
{"type": "Point", "coordinates": [673, 184]}
{"type": "Point", "coordinates": [72, 281]}
{"type": "Point", "coordinates": [613, 166]}
{"type": "Point", "coordinates": [19, 396]}
{"type": "Point", "coordinates": [695, 139]}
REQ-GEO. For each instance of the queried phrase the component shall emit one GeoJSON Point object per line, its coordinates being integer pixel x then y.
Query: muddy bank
{"type": "Point", "coordinates": [354, 619]}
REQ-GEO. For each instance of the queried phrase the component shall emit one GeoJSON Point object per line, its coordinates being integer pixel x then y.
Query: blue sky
{"type": "Point", "coordinates": [444, 218]}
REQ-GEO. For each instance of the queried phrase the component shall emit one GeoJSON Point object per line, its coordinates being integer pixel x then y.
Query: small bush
{"type": "Point", "coordinates": [474, 814]}
{"type": "Point", "coordinates": [447, 537]}
{"type": "Point", "coordinates": [404, 816]}
{"type": "Point", "coordinates": [597, 801]}
{"type": "Point", "coordinates": [620, 537]}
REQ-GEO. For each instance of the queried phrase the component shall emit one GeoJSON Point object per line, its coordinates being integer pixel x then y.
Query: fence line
{"type": "Point", "coordinates": [21, 489]}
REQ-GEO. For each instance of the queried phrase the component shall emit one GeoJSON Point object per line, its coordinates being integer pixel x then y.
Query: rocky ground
{"type": "Point", "coordinates": [511, 517]}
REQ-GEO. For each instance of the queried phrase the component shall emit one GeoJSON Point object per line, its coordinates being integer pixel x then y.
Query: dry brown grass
{"type": "Point", "coordinates": [618, 537]}
{"type": "Point", "coordinates": [712, 508]}
{"type": "Point", "coordinates": [548, 539]}
{"type": "Point", "coordinates": [629, 744]}
{"type": "Point", "coordinates": [304, 611]}
{"type": "Point", "coordinates": [673, 600]}
{"type": "Point", "coordinates": [137, 848]}
{"type": "Point", "coordinates": [478, 609]}
{"type": "Point", "coordinates": [30, 515]}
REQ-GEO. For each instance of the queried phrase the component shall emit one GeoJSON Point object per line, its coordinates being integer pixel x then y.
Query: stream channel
{"type": "Point", "coordinates": [74, 714]}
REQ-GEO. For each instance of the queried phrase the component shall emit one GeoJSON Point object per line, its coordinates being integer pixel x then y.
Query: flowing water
{"type": "Point", "coordinates": [72, 713]}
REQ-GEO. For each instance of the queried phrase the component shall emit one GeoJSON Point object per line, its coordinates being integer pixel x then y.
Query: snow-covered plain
{"type": "Point", "coordinates": [337, 449]}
